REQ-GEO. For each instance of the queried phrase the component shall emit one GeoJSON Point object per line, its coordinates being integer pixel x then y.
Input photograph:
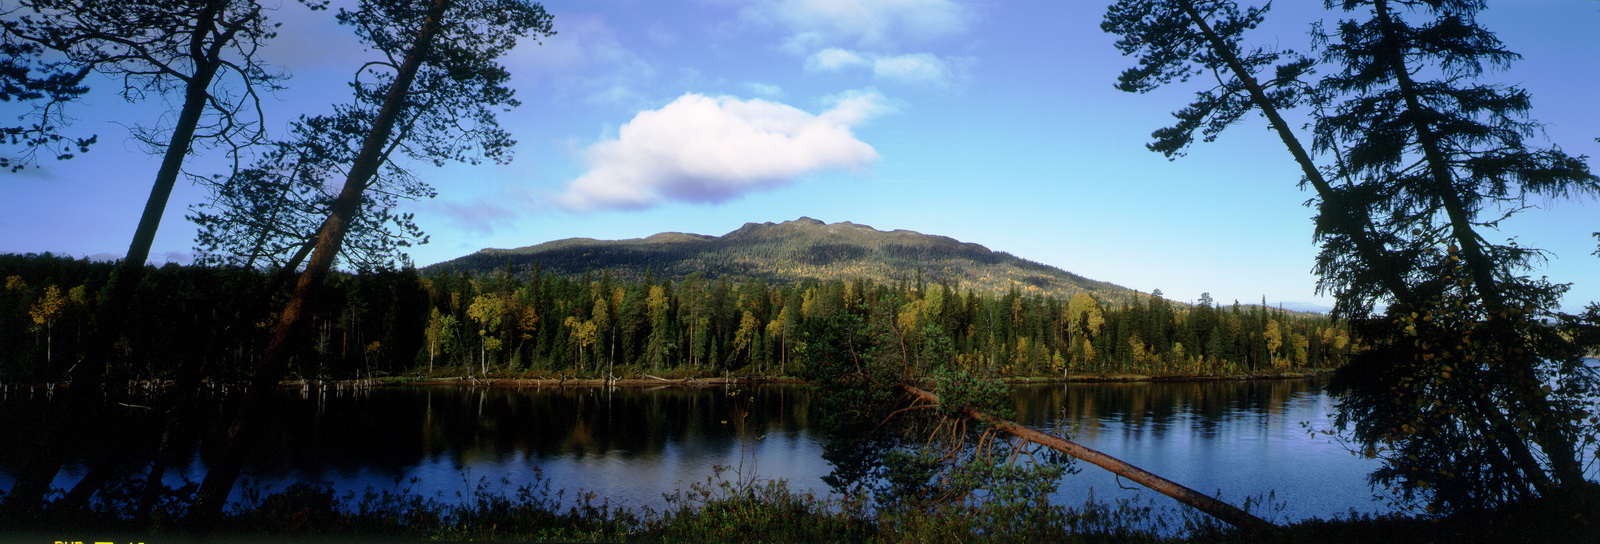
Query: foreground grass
{"type": "Point", "coordinates": [766, 512]}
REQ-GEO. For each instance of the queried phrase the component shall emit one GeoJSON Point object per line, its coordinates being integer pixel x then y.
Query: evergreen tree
{"type": "Point", "coordinates": [1441, 161]}
{"type": "Point", "coordinates": [200, 55]}
{"type": "Point", "coordinates": [1412, 173]}
{"type": "Point", "coordinates": [433, 97]}
{"type": "Point", "coordinates": [26, 77]}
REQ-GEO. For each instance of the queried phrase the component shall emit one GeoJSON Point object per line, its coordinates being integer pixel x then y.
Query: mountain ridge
{"type": "Point", "coordinates": [792, 252]}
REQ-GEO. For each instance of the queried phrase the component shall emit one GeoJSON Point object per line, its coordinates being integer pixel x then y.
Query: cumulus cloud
{"type": "Point", "coordinates": [710, 149]}
{"type": "Point", "coordinates": [872, 23]}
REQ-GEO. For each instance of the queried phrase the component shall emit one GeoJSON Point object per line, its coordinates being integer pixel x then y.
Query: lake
{"type": "Point", "coordinates": [631, 445]}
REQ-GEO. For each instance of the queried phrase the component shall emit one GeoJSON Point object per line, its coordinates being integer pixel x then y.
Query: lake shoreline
{"type": "Point", "coordinates": [647, 381]}
{"type": "Point", "coordinates": [693, 381]}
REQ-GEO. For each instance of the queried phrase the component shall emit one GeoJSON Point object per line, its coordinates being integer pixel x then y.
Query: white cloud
{"type": "Point", "coordinates": [872, 23]}
{"type": "Point", "coordinates": [310, 40]}
{"type": "Point", "coordinates": [914, 68]}
{"type": "Point", "coordinates": [843, 35]}
{"type": "Point", "coordinates": [709, 149]}
{"type": "Point", "coordinates": [833, 58]}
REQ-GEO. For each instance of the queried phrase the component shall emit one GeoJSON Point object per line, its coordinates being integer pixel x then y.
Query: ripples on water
{"type": "Point", "coordinates": [633, 445]}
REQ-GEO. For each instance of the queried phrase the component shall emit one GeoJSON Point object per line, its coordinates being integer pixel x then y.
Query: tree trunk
{"type": "Point", "coordinates": [82, 398]}
{"type": "Point", "coordinates": [1372, 251]}
{"type": "Point", "coordinates": [1558, 448]}
{"type": "Point", "coordinates": [1225, 512]}
{"type": "Point", "coordinates": [291, 330]}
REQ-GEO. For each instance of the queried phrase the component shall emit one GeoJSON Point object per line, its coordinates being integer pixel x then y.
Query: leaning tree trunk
{"type": "Point", "coordinates": [1559, 450]}
{"type": "Point", "coordinates": [1370, 249]}
{"type": "Point", "coordinates": [83, 399]}
{"type": "Point", "coordinates": [291, 329]}
{"type": "Point", "coordinates": [1228, 513]}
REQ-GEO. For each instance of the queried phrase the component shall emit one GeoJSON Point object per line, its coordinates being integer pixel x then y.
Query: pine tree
{"type": "Point", "coordinates": [1441, 162]}
{"type": "Point", "coordinates": [1409, 175]}
{"type": "Point", "coordinates": [436, 104]}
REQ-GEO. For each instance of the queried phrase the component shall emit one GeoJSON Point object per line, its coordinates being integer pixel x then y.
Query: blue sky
{"type": "Point", "coordinates": [990, 121]}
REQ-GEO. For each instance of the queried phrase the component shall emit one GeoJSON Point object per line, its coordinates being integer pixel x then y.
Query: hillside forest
{"type": "Point", "coordinates": [1456, 366]}
{"type": "Point", "coordinates": [790, 252]}
{"type": "Point", "coordinates": [500, 323]}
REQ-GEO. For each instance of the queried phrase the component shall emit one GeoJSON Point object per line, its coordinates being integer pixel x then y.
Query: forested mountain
{"type": "Point", "coordinates": [793, 251]}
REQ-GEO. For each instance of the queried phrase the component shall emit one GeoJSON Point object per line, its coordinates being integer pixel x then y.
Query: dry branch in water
{"type": "Point", "coordinates": [1228, 513]}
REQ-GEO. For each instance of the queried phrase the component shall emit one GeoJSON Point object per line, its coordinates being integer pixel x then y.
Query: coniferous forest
{"type": "Point", "coordinates": [1461, 372]}
{"type": "Point", "coordinates": [501, 324]}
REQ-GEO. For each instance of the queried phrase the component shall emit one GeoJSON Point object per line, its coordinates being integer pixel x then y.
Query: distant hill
{"type": "Point", "coordinates": [791, 252]}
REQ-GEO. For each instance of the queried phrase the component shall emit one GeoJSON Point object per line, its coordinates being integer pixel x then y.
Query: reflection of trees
{"type": "Point", "coordinates": [1156, 408]}
{"type": "Point", "coordinates": [126, 431]}
{"type": "Point", "coordinates": [390, 430]}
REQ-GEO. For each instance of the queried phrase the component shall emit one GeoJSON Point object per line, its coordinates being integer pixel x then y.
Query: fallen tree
{"type": "Point", "coordinates": [1225, 512]}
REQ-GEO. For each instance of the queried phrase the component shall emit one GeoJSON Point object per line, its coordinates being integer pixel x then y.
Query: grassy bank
{"type": "Point", "coordinates": [768, 511]}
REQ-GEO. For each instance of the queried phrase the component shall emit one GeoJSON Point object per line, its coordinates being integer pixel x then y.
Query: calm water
{"type": "Point", "coordinates": [633, 445]}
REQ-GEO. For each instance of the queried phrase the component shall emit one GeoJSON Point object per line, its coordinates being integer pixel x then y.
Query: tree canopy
{"type": "Point", "coordinates": [1472, 391]}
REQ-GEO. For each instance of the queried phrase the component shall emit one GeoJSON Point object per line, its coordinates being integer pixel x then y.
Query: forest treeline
{"type": "Point", "coordinates": [392, 323]}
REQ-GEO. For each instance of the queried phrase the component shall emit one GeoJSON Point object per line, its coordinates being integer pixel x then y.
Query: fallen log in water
{"type": "Point", "coordinates": [1228, 513]}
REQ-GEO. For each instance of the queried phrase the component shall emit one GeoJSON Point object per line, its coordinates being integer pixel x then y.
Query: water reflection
{"type": "Point", "coordinates": [1203, 409]}
{"type": "Point", "coordinates": [626, 444]}
{"type": "Point", "coordinates": [632, 445]}
{"type": "Point", "coordinates": [1242, 438]}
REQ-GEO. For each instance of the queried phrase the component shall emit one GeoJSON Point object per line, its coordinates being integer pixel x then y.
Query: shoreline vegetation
{"type": "Point", "coordinates": [707, 380]}
{"type": "Point", "coordinates": [531, 330]}
{"type": "Point", "coordinates": [730, 507]}
{"type": "Point", "coordinates": [697, 380]}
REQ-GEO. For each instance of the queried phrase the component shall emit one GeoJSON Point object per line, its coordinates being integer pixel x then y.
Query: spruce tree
{"type": "Point", "coordinates": [1472, 393]}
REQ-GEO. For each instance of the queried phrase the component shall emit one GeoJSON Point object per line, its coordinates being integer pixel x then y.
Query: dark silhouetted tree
{"type": "Point", "coordinates": [432, 97]}
{"type": "Point", "coordinates": [1472, 392]}
{"type": "Point", "coordinates": [1474, 396]}
{"type": "Point", "coordinates": [46, 86]}
{"type": "Point", "coordinates": [268, 215]}
{"type": "Point", "coordinates": [180, 50]}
